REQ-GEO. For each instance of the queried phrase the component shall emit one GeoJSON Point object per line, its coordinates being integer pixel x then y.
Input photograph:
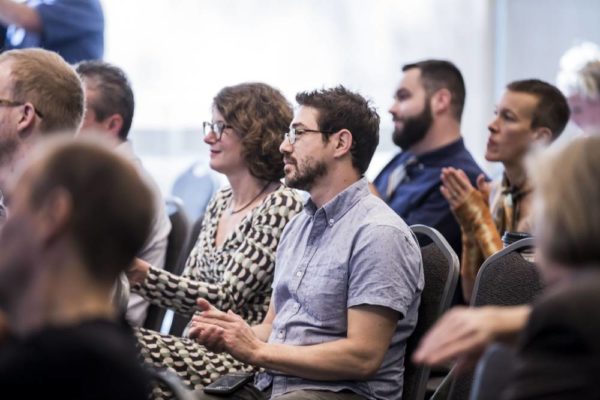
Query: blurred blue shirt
{"type": "Point", "coordinates": [72, 28]}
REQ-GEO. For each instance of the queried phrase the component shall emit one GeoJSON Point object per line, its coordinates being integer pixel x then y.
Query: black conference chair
{"type": "Point", "coordinates": [507, 279]}
{"type": "Point", "coordinates": [493, 372]}
{"type": "Point", "coordinates": [177, 242]}
{"type": "Point", "coordinates": [179, 236]}
{"type": "Point", "coordinates": [195, 232]}
{"type": "Point", "coordinates": [504, 279]}
{"type": "Point", "coordinates": [176, 323]}
{"type": "Point", "coordinates": [441, 270]}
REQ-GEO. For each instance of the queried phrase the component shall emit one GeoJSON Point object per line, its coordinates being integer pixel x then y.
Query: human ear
{"type": "Point", "coordinates": [26, 120]}
{"type": "Point", "coordinates": [343, 143]}
{"type": "Point", "coordinates": [54, 213]}
{"type": "Point", "coordinates": [542, 136]}
{"type": "Point", "coordinates": [440, 101]}
{"type": "Point", "coordinates": [114, 124]}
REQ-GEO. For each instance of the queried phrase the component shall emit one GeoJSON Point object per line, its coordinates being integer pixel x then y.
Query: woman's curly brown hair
{"type": "Point", "coordinates": [260, 115]}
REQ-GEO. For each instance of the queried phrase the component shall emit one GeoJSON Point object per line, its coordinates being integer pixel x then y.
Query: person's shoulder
{"type": "Point", "coordinates": [375, 208]}
{"type": "Point", "coordinates": [95, 343]}
{"type": "Point", "coordinates": [286, 196]}
{"type": "Point", "coordinates": [283, 201]}
{"type": "Point", "coordinates": [59, 359]}
{"type": "Point", "coordinates": [580, 295]}
{"type": "Point", "coordinates": [570, 307]}
{"type": "Point", "coordinates": [223, 194]}
{"type": "Point", "coordinates": [376, 211]}
{"type": "Point", "coordinates": [465, 161]}
{"type": "Point", "coordinates": [104, 333]}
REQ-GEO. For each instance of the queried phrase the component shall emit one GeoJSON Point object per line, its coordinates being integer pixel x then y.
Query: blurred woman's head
{"type": "Point", "coordinates": [567, 211]}
{"type": "Point", "coordinates": [252, 119]}
{"type": "Point", "coordinates": [579, 80]}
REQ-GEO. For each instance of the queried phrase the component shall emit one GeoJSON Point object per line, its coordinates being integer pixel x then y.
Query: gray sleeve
{"type": "Point", "coordinates": [385, 269]}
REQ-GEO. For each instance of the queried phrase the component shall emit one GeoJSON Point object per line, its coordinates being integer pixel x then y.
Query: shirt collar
{"type": "Point", "coordinates": [516, 192]}
{"type": "Point", "coordinates": [442, 152]}
{"type": "Point", "coordinates": [335, 208]}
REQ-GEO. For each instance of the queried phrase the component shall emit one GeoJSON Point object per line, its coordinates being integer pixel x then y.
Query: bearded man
{"type": "Point", "coordinates": [426, 112]}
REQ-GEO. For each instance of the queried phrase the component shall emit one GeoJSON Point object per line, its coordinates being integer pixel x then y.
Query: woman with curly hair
{"type": "Point", "coordinates": [232, 262]}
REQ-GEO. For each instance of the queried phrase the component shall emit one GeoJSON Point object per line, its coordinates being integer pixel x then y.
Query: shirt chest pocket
{"type": "Point", "coordinates": [323, 291]}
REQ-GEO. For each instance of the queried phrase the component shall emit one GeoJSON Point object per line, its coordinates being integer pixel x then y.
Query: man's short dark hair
{"type": "Point", "coordinates": [552, 110]}
{"type": "Point", "coordinates": [113, 88]}
{"type": "Point", "coordinates": [442, 74]}
{"type": "Point", "coordinates": [111, 206]}
{"type": "Point", "coordinates": [339, 109]}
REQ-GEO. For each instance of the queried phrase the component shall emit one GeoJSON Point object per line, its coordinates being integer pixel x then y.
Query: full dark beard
{"type": "Point", "coordinates": [414, 129]}
{"type": "Point", "coordinates": [306, 174]}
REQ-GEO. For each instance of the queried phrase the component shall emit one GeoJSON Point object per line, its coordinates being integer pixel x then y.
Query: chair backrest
{"type": "Point", "coordinates": [441, 269]}
{"type": "Point", "coordinates": [179, 235]}
{"type": "Point", "coordinates": [504, 279]}
{"type": "Point", "coordinates": [120, 293]}
{"type": "Point", "coordinates": [177, 242]}
{"type": "Point", "coordinates": [194, 234]}
{"type": "Point", "coordinates": [493, 372]}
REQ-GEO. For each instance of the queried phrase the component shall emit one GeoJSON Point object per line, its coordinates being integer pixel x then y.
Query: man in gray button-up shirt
{"type": "Point", "coordinates": [348, 277]}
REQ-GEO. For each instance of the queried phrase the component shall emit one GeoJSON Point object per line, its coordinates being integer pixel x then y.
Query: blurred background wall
{"type": "Point", "coordinates": [179, 53]}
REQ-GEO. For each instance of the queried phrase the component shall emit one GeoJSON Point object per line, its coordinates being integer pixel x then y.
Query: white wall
{"type": "Point", "coordinates": [532, 35]}
{"type": "Point", "coordinates": [179, 53]}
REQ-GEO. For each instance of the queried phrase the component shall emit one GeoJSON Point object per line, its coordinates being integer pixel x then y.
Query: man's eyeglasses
{"type": "Point", "coordinates": [11, 103]}
{"type": "Point", "coordinates": [293, 133]}
{"type": "Point", "coordinates": [217, 128]}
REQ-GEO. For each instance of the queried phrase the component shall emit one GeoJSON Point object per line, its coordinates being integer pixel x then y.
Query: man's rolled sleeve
{"type": "Point", "coordinates": [385, 269]}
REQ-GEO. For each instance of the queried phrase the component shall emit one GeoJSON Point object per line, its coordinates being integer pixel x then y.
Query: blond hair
{"type": "Point", "coordinates": [567, 194]}
{"type": "Point", "coordinates": [53, 87]}
{"type": "Point", "coordinates": [580, 71]}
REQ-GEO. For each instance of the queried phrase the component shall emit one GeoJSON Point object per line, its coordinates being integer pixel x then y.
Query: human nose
{"type": "Point", "coordinates": [286, 145]}
{"type": "Point", "coordinates": [394, 108]}
{"type": "Point", "coordinates": [493, 125]}
{"type": "Point", "coordinates": [210, 137]}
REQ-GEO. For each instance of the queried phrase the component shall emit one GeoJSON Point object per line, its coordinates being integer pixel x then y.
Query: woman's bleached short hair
{"type": "Point", "coordinates": [579, 72]}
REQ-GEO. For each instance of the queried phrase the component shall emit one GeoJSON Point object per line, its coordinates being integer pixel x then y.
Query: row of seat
{"type": "Point", "coordinates": [504, 279]}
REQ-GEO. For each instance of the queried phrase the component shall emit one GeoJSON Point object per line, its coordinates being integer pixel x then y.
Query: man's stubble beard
{"type": "Point", "coordinates": [306, 174]}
